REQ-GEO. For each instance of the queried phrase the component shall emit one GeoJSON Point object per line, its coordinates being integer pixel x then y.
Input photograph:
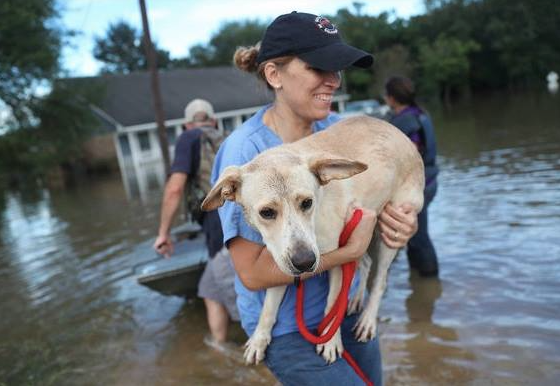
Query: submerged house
{"type": "Point", "coordinates": [126, 108]}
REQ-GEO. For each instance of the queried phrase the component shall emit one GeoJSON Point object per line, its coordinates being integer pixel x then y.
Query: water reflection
{"type": "Point", "coordinates": [141, 181]}
{"type": "Point", "coordinates": [171, 351]}
{"type": "Point", "coordinates": [32, 247]}
{"type": "Point", "coordinates": [552, 82]}
{"type": "Point", "coordinates": [432, 351]}
{"type": "Point", "coordinates": [59, 265]}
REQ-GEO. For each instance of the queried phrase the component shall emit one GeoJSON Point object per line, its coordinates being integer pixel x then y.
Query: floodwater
{"type": "Point", "coordinates": [71, 312]}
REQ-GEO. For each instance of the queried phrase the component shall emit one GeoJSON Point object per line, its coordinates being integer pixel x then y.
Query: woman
{"type": "Point", "coordinates": [417, 125]}
{"type": "Point", "coordinates": [300, 59]}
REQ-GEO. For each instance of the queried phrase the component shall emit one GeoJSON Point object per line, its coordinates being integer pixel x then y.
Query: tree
{"type": "Point", "coordinates": [44, 131]}
{"type": "Point", "coordinates": [372, 34]}
{"type": "Point", "coordinates": [395, 60]}
{"type": "Point", "coordinates": [444, 64]}
{"type": "Point", "coordinates": [222, 45]}
{"type": "Point", "coordinates": [64, 122]}
{"type": "Point", "coordinates": [523, 36]}
{"type": "Point", "coordinates": [201, 56]}
{"type": "Point", "coordinates": [122, 50]}
{"type": "Point", "coordinates": [30, 41]}
{"type": "Point", "coordinates": [518, 39]}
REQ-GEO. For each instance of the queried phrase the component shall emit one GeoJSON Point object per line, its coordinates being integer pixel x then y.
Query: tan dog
{"type": "Point", "coordinates": [297, 196]}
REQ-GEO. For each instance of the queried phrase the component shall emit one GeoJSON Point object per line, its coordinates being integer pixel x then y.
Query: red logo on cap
{"type": "Point", "coordinates": [325, 25]}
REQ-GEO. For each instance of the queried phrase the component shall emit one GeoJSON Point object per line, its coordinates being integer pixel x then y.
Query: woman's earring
{"type": "Point", "coordinates": [278, 87]}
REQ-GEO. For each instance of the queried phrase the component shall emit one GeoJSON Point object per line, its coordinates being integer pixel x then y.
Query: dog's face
{"type": "Point", "coordinates": [279, 193]}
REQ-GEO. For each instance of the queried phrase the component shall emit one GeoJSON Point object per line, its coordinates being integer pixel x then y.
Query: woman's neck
{"type": "Point", "coordinates": [286, 124]}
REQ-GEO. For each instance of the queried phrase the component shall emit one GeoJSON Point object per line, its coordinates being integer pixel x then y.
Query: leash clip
{"type": "Point", "coordinates": [297, 281]}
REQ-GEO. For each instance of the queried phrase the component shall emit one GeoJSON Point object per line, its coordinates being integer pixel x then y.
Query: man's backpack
{"type": "Point", "coordinates": [199, 186]}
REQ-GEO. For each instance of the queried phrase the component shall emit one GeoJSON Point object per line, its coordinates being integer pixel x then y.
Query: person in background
{"type": "Point", "coordinates": [299, 60]}
{"type": "Point", "coordinates": [216, 284]}
{"type": "Point", "coordinates": [417, 125]}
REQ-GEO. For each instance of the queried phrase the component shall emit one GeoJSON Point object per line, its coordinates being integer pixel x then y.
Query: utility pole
{"type": "Point", "coordinates": [158, 108]}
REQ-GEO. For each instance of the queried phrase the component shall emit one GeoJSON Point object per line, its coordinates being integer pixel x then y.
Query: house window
{"type": "Point", "coordinates": [125, 145]}
{"type": "Point", "coordinates": [171, 135]}
{"type": "Point", "coordinates": [244, 117]}
{"type": "Point", "coordinates": [229, 124]}
{"type": "Point", "coordinates": [144, 140]}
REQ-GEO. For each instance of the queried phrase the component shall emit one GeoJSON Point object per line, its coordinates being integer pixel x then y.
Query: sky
{"type": "Point", "coordinates": [177, 25]}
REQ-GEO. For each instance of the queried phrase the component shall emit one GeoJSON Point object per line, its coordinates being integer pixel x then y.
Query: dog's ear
{"type": "Point", "coordinates": [328, 169]}
{"type": "Point", "coordinates": [225, 189]}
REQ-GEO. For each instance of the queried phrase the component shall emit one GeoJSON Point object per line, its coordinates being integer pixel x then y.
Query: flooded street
{"type": "Point", "coordinates": [73, 314]}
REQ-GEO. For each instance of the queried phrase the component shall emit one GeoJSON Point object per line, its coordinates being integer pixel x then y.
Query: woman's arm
{"type": "Point", "coordinates": [257, 270]}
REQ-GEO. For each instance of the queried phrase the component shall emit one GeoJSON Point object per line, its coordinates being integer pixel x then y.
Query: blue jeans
{"type": "Point", "coordinates": [421, 252]}
{"type": "Point", "coordinates": [294, 361]}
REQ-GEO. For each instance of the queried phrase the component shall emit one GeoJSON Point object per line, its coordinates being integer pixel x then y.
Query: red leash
{"type": "Point", "coordinates": [336, 314]}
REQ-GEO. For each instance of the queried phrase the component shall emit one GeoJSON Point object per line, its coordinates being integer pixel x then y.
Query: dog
{"type": "Point", "coordinates": [297, 196]}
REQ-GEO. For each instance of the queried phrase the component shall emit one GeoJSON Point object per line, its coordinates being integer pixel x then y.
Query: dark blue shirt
{"type": "Point", "coordinates": [187, 153]}
{"type": "Point", "coordinates": [187, 160]}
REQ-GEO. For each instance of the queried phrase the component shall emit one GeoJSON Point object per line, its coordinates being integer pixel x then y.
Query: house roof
{"type": "Point", "coordinates": [128, 99]}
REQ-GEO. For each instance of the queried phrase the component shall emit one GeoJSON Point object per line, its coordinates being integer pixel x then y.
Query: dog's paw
{"type": "Point", "coordinates": [356, 304]}
{"type": "Point", "coordinates": [331, 350]}
{"type": "Point", "coordinates": [255, 348]}
{"type": "Point", "coordinates": [366, 327]}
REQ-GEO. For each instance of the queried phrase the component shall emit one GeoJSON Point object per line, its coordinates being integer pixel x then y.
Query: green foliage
{"type": "Point", "coordinates": [360, 82]}
{"type": "Point", "coordinates": [369, 33]}
{"type": "Point", "coordinates": [122, 50]}
{"type": "Point", "coordinates": [394, 60]}
{"type": "Point", "coordinates": [523, 48]}
{"type": "Point", "coordinates": [30, 42]}
{"type": "Point", "coordinates": [14, 150]}
{"type": "Point", "coordinates": [64, 122]}
{"type": "Point", "coordinates": [518, 39]}
{"type": "Point", "coordinates": [373, 34]}
{"type": "Point", "coordinates": [233, 35]}
{"type": "Point", "coordinates": [222, 45]}
{"type": "Point", "coordinates": [444, 64]}
{"type": "Point", "coordinates": [41, 132]}
{"type": "Point", "coordinates": [461, 44]}
{"type": "Point", "coordinates": [202, 56]}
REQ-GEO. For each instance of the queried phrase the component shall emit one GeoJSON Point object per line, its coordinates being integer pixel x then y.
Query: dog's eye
{"type": "Point", "coordinates": [268, 213]}
{"type": "Point", "coordinates": [306, 204]}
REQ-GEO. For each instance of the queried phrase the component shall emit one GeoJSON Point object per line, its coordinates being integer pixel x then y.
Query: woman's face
{"type": "Point", "coordinates": [308, 92]}
{"type": "Point", "coordinates": [390, 101]}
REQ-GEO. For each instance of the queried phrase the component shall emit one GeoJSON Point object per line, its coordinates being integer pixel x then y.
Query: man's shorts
{"type": "Point", "coordinates": [217, 280]}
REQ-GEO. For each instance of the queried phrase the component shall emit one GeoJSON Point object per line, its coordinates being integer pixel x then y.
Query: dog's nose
{"type": "Point", "coordinates": [303, 260]}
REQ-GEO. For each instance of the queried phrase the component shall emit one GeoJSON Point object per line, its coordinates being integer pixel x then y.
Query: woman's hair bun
{"type": "Point", "coordinates": [245, 58]}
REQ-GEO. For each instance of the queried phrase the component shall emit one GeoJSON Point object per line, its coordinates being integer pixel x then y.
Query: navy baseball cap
{"type": "Point", "coordinates": [313, 39]}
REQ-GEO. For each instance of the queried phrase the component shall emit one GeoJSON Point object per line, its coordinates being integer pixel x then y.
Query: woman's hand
{"type": "Point", "coordinates": [398, 225]}
{"type": "Point", "coordinates": [361, 236]}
